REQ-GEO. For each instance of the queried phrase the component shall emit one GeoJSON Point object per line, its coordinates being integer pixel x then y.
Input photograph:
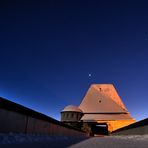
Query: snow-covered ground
{"type": "Point", "coordinates": [45, 141]}
{"type": "Point", "coordinates": [23, 138]}
{"type": "Point", "coordinates": [35, 140]}
{"type": "Point", "coordinates": [123, 141]}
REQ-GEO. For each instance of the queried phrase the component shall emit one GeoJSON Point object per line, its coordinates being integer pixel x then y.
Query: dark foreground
{"type": "Point", "coordinates": [38, 141]}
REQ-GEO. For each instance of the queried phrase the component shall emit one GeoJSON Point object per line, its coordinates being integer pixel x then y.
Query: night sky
{"type": "Point", "coordinates": [52, 51]}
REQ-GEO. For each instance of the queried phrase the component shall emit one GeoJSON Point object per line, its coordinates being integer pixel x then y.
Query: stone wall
{"type": "Point", "coordinates": [137, 128]}
{"type": "Point", "coordinates": [18, 119]}
{"type": "Point", "coordinates": [117, 124]}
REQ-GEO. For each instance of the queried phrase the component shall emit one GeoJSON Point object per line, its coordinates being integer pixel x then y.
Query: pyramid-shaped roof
{"type": "Point", "coordinates": [102, 98]}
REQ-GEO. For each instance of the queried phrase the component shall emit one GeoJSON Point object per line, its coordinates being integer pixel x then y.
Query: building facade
{"type": "Point", "coordinates": [100, 112]}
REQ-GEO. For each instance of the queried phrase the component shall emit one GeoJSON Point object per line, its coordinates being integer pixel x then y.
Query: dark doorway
{"type": "Point", "coordinates": [99, 129]}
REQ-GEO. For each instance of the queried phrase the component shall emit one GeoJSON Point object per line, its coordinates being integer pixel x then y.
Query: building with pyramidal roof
{"type": "Point", "coordinates": [100, 112]}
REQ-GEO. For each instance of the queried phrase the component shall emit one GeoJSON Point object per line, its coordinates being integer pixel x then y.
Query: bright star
{"type": "Point", "coordinates": [89, 75]}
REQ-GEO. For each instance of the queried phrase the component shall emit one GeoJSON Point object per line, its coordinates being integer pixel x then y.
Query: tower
{"type": "Point", "coordinates": [102, 110]}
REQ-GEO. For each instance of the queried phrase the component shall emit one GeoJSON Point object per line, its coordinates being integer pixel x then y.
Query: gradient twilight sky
{"type": "Point", "coordinates": [48, 49]}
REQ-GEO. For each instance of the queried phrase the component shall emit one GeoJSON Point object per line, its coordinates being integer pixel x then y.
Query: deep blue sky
{"type": "Point", "coordinates": [48, 48]}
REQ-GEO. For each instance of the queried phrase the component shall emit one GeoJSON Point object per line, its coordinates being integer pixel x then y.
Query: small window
{"type": "Point", "coordinates": [100, 89]}
{"type": "Point", "coordinates": [67, 115]}
{"type": "Point", "coordinates": [71, 115]}
{"type": "Point", "coordinates": [100, 101]}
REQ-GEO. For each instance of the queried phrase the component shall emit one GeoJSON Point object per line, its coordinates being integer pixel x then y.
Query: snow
{"type": "Point", "coordinates": [122, 141]}
{"type": "Point", "coordinates": [37, 140]}
{"type": "Point", "coordinates": [133, 137]}
{"type": "Point", "coordinates": [40, 141]}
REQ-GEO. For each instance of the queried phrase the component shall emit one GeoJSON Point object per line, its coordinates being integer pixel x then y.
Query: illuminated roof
{"type": "Point", "coordinates": [97, 117]}
{"type": "Point", "coordinates": [102, 98]}
{"type": "Point", "coordinates": [71, 108]}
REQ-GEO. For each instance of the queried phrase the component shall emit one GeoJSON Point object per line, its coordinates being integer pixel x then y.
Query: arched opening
{"type": "Point", "coordinates": [99, 129]}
